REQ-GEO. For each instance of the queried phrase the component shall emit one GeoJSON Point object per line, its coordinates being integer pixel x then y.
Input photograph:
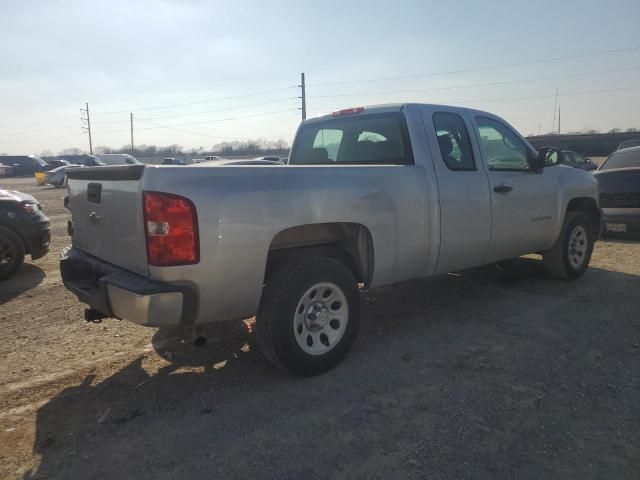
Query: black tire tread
{"type": "Point", "coordinates": [554, 258]}
{"type": "Point", "coordinates": [17, 241]}
{"type": "Point", "coordinates": [277, 285]}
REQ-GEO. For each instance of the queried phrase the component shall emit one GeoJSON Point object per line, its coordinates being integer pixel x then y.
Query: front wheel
{"type": "Point", "coordinates": [309, 315]}
{"type": "Point", "coordinates": [11, 253]}
{"type": "Point", "coordinates": [570, 256]}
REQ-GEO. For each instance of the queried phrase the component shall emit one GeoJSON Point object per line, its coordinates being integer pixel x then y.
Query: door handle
{"type": "Point", "coordinates": [502, 189]}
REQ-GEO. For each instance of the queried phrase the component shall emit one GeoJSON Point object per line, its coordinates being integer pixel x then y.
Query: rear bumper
{"type": "Point", "coordinates": [116, 292]}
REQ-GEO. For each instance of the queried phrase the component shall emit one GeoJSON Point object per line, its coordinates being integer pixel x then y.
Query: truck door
{"type": "Point", "coordinates": [523, 202]}
{"type": "Point", "coordinates": [465, 203]}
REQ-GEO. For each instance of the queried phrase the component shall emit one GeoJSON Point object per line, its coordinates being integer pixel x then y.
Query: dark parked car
{"type": "Point", "coordinates": [24, 229]}
{"type": "Point", "coordinates": [175, 161]}
{"type": "Point", "coordinates": [24, 165]}
{"type": "Point", "coordinates": [619, 181]}
{"type": "Point", "coordinates": [629, 144]}
{"type": "Point", "coordinates": [577, 160]}
{"type": "Point", "coordinates": [5, 170]}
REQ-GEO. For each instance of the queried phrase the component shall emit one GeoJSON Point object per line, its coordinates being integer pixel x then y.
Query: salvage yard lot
{"type": "Point", "coordinates": [495, 372]}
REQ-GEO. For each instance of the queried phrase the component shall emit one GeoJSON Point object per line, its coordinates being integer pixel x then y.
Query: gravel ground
{"type": "Point", "coordinates": [489, 373]}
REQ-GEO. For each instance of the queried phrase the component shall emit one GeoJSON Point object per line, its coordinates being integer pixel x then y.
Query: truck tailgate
{"type": "Point", "coordinates": [107, 217]}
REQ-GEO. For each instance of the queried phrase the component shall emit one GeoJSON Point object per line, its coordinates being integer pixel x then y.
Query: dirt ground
{"type": "Point", "coordinates": [490, 373]}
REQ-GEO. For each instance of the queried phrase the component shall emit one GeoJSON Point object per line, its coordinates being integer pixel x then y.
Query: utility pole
{"type": "Point", "coordinates": [559, 119]}
{"type": "Point", "coordinates": [88, 127]}
{"type": "Point", "coordinates": [303, 96]}
{"type": "Point", "coordinates": [555, 106]}
{"type": "Point", "coordinates": [131, 121]}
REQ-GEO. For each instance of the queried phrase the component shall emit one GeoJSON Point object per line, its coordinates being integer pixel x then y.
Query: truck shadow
{"type": "Point", "coordinates": [441, 349]}
{"type": "Point", "coordinates": [26, 278]}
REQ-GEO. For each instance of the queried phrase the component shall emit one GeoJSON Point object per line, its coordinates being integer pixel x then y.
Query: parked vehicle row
{"type": "Point", "coordinates": [619, 181]}
{"type": "Point", "coordinates": [27, 165]}
{"type": "Point", "coordinates": [23, 165]}
{"type": "Point", "coordinates": [370, 196]}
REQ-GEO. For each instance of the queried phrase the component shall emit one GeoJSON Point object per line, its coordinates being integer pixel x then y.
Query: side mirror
{"type": "Point", "coordinates": [548, 157]}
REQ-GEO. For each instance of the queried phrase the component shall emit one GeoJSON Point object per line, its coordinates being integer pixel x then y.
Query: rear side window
{"type": "Point", "coordinates": [453, 141]}
{"type": "Point", "coordinates": [376, 139]}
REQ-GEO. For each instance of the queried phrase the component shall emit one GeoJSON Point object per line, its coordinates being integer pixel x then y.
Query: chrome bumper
{"type": "Point", "coordinates": [121, 294]}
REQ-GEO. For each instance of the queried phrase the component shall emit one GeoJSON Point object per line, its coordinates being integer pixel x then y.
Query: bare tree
{"type": "Point", "coordinates": [71, 151]}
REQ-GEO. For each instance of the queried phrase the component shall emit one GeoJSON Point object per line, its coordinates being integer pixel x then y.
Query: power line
{"type": "Point", "coordinates": [204, 122]}
{"type": "Point", "coordinates": [45, 138]}
{"type": "Point", "coordinates": [529, 97]}
{"type": "Point", "coordinates": [224, 109]}
{"type": "Point", "coordinates": [109, 122]}
{"type": "Point", "coordinates": [480, 69]}
{"type": "Point", "coordinates": [37, 122]}
{"type": "Point", "coordinates": [532, 97]}
{"type": "Point", "coordinates": [475, 85]}
{"type": "Point", "coordinates": [200, 102]}
{"type": "Point", "coordinates": [209, 135]}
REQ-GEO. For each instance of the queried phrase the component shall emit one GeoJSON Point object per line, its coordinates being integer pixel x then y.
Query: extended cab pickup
{"type": "Point", "coordinates": [370, 197]}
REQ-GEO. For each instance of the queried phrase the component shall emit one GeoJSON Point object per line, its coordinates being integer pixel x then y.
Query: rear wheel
{"type": "Point", "coordinates": [570, 256]}
{"type": "Point", "coordinates": [309, 315]}
{"type": "Point", "coordinates": [11, 253]}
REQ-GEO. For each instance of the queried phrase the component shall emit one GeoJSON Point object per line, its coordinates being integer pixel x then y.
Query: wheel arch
{"type": "Point", "coordinates": [589, 206]}
{"type": "Point", "coordinates": [350, 243]}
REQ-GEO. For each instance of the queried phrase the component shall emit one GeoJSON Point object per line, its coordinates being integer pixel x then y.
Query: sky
{"type": "Point", "coordinates": [197, 73]}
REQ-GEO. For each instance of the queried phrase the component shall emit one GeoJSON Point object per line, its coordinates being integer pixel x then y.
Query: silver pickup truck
{"type": "Point", "coordinates": [369, 197]}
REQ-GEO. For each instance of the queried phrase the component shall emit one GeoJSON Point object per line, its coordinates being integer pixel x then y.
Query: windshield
{"type": "Point", "coordinates": [117, 159]}
{"type": "Point", "coordinates": [622, 159]}
{"type": "Point", "coordinates": [38, 160]}
{"type": "Point", "coordinates": [629, 144]}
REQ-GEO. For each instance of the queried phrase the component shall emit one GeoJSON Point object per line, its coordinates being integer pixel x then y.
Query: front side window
{"type": "Point", "coordinates": [453, 141]}
{"type": "Point", "coordinates": [376, 139]}
{"type": "Point", "coordinates": [501, 146]}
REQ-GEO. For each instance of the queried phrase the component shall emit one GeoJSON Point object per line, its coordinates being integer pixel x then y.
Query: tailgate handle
{"type": "Point", "coordinates": [94, 192]}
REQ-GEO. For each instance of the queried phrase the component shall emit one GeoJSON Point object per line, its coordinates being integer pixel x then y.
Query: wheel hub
{"type": "Point", "coordinates": [320, 318]}
{"type": "Point", "coordinates": [317, 316]}
{"type": "Point", "coordinates": [578, 245]}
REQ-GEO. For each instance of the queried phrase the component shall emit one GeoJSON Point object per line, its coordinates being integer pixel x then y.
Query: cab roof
{"type": "Point", "coordinates": [387, 108]}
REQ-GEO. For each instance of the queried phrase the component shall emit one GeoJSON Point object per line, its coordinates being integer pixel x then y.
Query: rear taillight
{"type": "Point", "coordinates": [171, 230]}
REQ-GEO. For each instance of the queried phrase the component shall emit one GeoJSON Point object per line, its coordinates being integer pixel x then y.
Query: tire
{"type": "Point", "coordinates": [11, 253]}
{"type": "Point", "coordinates": [570, 256]}
{"type": "Point", "coordinates": [309, 315]}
